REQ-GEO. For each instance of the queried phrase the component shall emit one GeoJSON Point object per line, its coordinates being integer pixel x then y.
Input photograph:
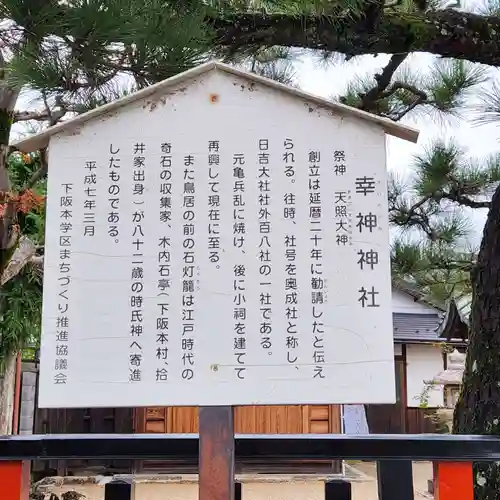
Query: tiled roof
{"type": "Point", "coordinates": [416, 327]}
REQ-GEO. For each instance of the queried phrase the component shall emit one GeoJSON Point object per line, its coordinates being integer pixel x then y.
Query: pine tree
{"type": "Point", "coordinates": [438, 263]}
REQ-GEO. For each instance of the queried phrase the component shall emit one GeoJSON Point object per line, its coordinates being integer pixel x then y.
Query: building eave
{"type": "Point", "coordinates": [416, 341]}
{"type": "Point", "coordinates": [417, 295]}
{"type": "Point", "coordinates": [453, 323]}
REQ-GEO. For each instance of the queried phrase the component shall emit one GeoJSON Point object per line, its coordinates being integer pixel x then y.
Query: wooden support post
{"type": "Point", "coordinates": [453, 481]}
{"type": "Point", "coordinates": [395, 480]}
{"type": "Point", "coordinates": [14, 480]}
{"type": "Point", "coordinates": [216, 455]}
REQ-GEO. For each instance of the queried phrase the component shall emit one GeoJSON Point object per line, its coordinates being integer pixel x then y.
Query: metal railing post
{"type": "Point", "coordinates": [338, 489]}
{"type": "Point", "coordinates": [119, 489]}
{"type": "Point", "coordinates": [395, 480]}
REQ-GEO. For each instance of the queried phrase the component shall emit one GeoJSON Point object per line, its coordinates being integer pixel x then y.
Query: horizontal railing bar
{"type": "Point", "coordinates": [252, 447]}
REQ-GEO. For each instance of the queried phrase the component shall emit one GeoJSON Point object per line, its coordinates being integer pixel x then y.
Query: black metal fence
{"type": "Point", "coordinates": [452, 456]}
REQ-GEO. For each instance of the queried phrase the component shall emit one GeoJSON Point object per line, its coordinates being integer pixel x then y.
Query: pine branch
{"type": "Point", "coordinates": [420, 97]}
{"type": "Point", "coordinates": [413, 216]}
{"type": "Point", "coordinates": [405, 86]}
{"type": "Point", "coordinates": [436, 269]}
{"type": "Point", "coordinates": [461, 35]}
{"type": "Point", "coordinates": [463, 200]}
{"type": "Point", "coordinates": [442, 89]}
{"type": "Point", "coordinates": [383, 80]}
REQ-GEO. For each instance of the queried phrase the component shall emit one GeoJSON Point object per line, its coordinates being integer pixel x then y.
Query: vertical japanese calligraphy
{"type": "Point", "coordinates": [162, 337]}
{"type": "Point", "coordinates": [89, 203]}
{"type": "Point", "coordinates": [239, 270]}
{"type": "Point", "coordinates": [213, 202]}
{"type": "Point", "coordinates": [342, 203]}
{"type": "Point", "coordinates": [231, 251]}
{"type": "Point", "coordinates": [189, 283]}
{"type": "Point", "coordinates": [366, 223]}
{"type": "Point", "coordinates": [62, 322]}
{"type": "Point", "coordinates": [318, 301]}
{"type": "Point", "coordinates": [114, 177]}
{"type": "Point", "coordinates": [290, 264]}
{"type": "Point", "coordinates": [137, 272]}
{"type": "Point", "coordinates": [264, 255]}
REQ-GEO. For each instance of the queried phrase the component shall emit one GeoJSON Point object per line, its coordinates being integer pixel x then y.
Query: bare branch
{"type": "Point", "coordinates": [416, 216]}
{"type": "Point", "coordinates": [21, 256]}
{"type": "Point", "coordinates": [40, 173]}
{"type": "Point", "coordinates": [24, 116]}
{"type": "Point", "coordinates": [405, 86]}
{"type": "Point", "coordinates": [48, 114]}
{"type": "Point", "coordinates": [462, 200]}
{"type": "Point", "coordinates": [418, 100]}
{"type": "Point", "coordinates": [37, 261]}
{"type": "Point", "coordinates": [383, 80]}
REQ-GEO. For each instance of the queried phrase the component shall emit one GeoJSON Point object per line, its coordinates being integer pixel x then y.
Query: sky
{"type": "Point", "coordinates": [327, 80]}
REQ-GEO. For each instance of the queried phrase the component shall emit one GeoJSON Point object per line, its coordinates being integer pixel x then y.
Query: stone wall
{"type": "Point", "coordinates": [28, 398]}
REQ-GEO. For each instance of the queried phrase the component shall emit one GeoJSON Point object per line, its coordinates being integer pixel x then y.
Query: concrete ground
{"type": "Point", "coordinates": [365, 486]}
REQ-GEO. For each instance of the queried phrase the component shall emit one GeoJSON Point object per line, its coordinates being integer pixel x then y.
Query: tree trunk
{"type": "Point", "coordinates": [448, 33]}
{"type": "Point", "coordinates": [7, 390]}
{"type": "Point", "coordinates": [8, 238]}
{"type": "Point", "coordinates": [478, 408]}
{"type": "Point", "coordinates": [8, 243]}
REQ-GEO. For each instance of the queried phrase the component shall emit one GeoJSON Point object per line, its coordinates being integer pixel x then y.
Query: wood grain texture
{"type": "Point", "coordinates": [295, 419]}
{"type": "Point", "coordinates": [216, 455]}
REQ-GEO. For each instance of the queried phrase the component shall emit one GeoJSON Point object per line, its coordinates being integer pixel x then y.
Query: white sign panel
{"type": "Point", "coordinates": [224, 245]}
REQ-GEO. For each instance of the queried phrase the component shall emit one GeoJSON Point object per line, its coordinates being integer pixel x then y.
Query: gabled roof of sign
{"type": "Point", "coordinates": [41, 139]}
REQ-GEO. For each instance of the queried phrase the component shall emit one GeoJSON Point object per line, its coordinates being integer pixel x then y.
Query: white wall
{"type": "Point", "coordinates": [404, 303]}
{"type": "Point", "coordinates": [423, 362]}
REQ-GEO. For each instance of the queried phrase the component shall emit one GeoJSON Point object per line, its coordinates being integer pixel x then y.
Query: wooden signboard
{"type": "Point", "coordinates": [217, 240]}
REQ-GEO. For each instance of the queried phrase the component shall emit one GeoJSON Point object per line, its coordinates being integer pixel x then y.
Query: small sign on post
{"type": "Point", "coordinates": [217, 239]}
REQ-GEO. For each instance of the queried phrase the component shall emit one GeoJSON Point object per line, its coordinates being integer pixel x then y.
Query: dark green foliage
{"type": "Point", "coordinates": [21, 316]}
{"type": "Point", "coordinates": [21, 297]}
